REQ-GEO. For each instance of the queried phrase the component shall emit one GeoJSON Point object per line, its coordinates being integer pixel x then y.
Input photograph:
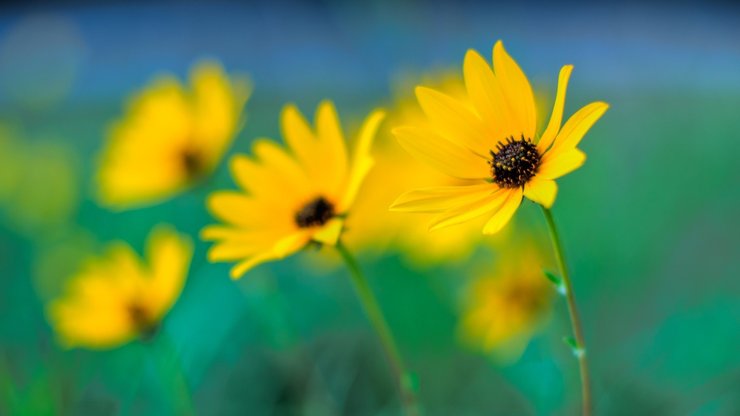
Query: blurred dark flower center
{"type": "Point", "coordinates": [143, 323]}
{"type": "Point", "coordinates": [514, 162]}
{"type": "Point", "coordinates": [316, 212]}
{"type": "Point", "coordinates": [528, 299]}
{"type": "Point", "coordinates": [192, 162]}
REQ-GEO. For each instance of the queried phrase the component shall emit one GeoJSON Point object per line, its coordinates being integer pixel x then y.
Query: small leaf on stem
{"type": "Point", "coordinates": [578, 352]}
{"type": "Point", "coordinates": [557, 281]}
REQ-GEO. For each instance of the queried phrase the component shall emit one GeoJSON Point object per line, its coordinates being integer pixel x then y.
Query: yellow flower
{"type": "Point", "coordinates": [371, 226]}
{"type": "Point", "coordinates": [170, 138]}
{"type": "Point", "coordinates": [492, 145]}
{"type": "Point", "coordinates": [289, 199]}
{"type": "Point", "coordinates": [503, 308]}
{"type": "Point", "coordinates": [119, 296]}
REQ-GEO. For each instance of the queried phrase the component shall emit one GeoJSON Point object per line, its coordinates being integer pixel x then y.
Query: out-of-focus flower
{"type": "Point", "coordinates": [38, 184]}
{"type": "Point", "coordinates": [170, 138]}
{"type": "Point", "coordinates": [119, 296]}
{"type": "Point", "coordinates": [372, 226]}
{"type": "Point", "coordinates": [290, 199]}
{"type": "Point", "coordinates": [503, 308]}
{"type": "Point", "coordinates": [492, 145]}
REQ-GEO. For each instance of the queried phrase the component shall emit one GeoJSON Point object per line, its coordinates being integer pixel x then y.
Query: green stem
{"type": "Point", "coordinates": [169, 366]}
{"type": "Point", "coordinates": [575, 318]}
{"type": "Point", "coordinates": [375, 314]}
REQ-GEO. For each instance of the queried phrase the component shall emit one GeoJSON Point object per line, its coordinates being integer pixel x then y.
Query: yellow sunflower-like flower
{"type": "Point", "coordinates": [170, 137]}
{"type": "Point", "coordinates": [119, 296]}
{"type": "Point", "coordinates": [503, 308]}
{"type": "Point", "coordinates": [371, 226]}
{"type": "Point", "coordinates": [493, 145]}
{"type": "Point", "coordinates": [290, 198]}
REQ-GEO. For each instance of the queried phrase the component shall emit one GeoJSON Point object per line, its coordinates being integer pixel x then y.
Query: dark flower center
{"type": "Point", "coordinates": [316, 212]}
{"type": "Point", "coordinates": [144, 324]}
{"type": "Point", "coordinates": [528, 299]}
{"type": "Point", "coordinates": [514, 162]}
{"type": "Point", "coordinates": [192, 162]}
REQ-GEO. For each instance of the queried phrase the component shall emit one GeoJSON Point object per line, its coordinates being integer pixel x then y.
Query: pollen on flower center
{"type": "Point", "coordinates": [514, 162]}
{"type": "Point", "coordinates": [316, 212]}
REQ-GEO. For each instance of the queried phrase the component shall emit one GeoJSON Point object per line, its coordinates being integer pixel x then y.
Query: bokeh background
{"type": "Point", "coordinates": [650, 222]}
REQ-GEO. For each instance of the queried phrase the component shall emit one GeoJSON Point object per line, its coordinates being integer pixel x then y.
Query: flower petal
{"type": "Point", "coordinates": [541, 191]}
{"type": "Point", "coordinates": [280, 166]}
{"type": "Point", "coordinates": [556, 118]}
{"type": "Point", "coordinates": [231, 250]}
{"type": "Point", "coordinates": [561, 163]}
{"type": "Point", "coordinates": [221, 232]}
{"type": "Point", "coordinates": [329, 232]}
{"type": "Point", "coordinates": [441, 198]}
{"type": "Point", "coordinates": [517, 90]}
{"type": "Point", "coordinates": [169, 256]}
{"type": "Point", "coordinates": [217, 103]}
{"type": "Point", "coordinates": [362, 161]}
{"type": "Point", "coordinates": [251, 176]}
{"type": "Point", "coordinates": [504, 214]}
{"type": "Point", "coordinates": [238, 209]}
{"type": "Point", "coordinates": [487, 97]}
{"type": "Point", "coordinates": [283, 248]}
{"type": "Point", "coordinates": [331, 144]}
{"type": "Point", "coordinates": [306, 147]}
{"type": "Point", "coordinates": [470, 211]}
{"type": "Point", "coordinates": [456, 122]}
{"type": "Point", "coordinates": [244, 266]}
{"type": "Point", "coordinates": [577, 126]}
{"type": "Point", "coordinates": [442, 154]}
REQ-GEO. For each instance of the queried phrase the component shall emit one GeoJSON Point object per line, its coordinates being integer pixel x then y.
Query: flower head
{"type": "Point", "coordinates": [170, 137]}
{"type": "Point", "coordinates": [290, 198]}
{"type": "Point", "coordinates": [372, 227]}
{"type": "Point", "coordinates": [503, 308]}
{"type": "Point", "coordinates": [119, 296]}
{"type": "Point", "coordinates": [493, 145]}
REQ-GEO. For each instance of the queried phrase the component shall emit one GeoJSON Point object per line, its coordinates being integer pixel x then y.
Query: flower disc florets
{"type": "Point", "coordinates": [192, 162]}
{"type": "Point", "coordinates": [315, 213]}
{"type": "Point", "coordinates": [145, 325]}
{"type": "Point", "coordinates": [514, 162]}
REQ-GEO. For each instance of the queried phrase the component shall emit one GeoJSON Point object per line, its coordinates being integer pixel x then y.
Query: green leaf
{"type": "Point", "coordinates": [556, 280]}
{"type": "Point", "coordinates": [575, 348]}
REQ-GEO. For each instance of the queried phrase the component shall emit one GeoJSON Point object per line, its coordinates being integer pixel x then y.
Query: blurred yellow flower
{"type": "Point", "coordinates": [289, 199]}
{"type": "Point", "coordinates": [372, 226]}
{"type": "Point", "coordinates": [120, 296]}
{"type": "Point", "coordinates": [492, 145]}
{"type": "Point", "coordinates": [502, 309]}
{"type": "Point", "coordinates": [170, 138]}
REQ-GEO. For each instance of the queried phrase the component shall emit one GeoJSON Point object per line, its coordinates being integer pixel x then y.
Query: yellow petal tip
{"type": "Point", "coordinates": [472, 53]}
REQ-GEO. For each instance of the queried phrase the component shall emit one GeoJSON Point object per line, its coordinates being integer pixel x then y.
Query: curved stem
{"type": "Point", "coordinates": [375, 314]}
{"type": "Point", "coordinates": [169, 366]}
{"type": "Point", "coordinates": [575, 318]}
